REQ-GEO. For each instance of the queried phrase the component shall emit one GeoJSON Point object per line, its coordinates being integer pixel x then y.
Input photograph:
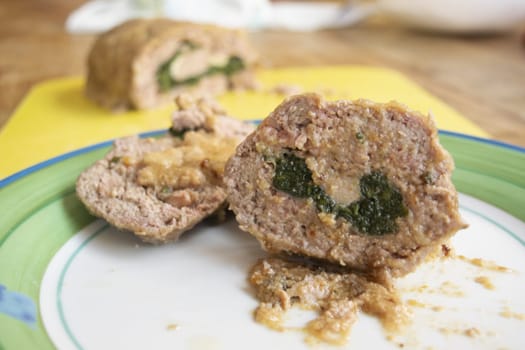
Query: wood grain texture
{"type": "Point", "coordinates": [483, 77]}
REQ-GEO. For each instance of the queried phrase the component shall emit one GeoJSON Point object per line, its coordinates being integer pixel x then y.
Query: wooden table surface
{"type": "Point", "coordinates": [482, 77]}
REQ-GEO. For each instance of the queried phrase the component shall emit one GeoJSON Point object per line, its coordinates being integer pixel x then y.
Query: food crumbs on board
{"type": "Point", "coordinates": [415, 303]}
{"type": "Point", "coordinates": [336, 295]}
{"type": "Point", "coordinates": [485, 282]}
{"type": "Point", "coordinates": [172, 327]}
{"type": "Point", "coordinates": [489, 265]}
{"type": "Point", "coordinates": [508, 313]}
{"type": "Point", "coordinates": [339, 295]}
{"type": "Point", "coordinates": [450, 289]}
{"type": "Point", "coordinates": [471, 332]}
{"type": "Point", "coordinates": [418, 289]}
{"type": "Point", "coordinates": [448, 331]}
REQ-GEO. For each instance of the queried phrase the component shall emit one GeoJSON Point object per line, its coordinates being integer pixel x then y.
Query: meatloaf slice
{"type": "Point", "coordinates": [159, 188]}
{"type": "Point", "coordinates": [358, 183]}
{"type": "Point", "coordinates": [144, 63]}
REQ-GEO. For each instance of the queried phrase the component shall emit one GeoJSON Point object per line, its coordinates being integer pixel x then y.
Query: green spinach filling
{"type": "Point", "coordinates": [293, 177]}
{"type": "Point", "coordinates": [381, 202]}
{"type": "Point", "coordinates": [166, 81]}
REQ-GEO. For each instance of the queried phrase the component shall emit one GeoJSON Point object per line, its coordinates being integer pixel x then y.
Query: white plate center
{"type": "Point", "coordinates": [105, 289]}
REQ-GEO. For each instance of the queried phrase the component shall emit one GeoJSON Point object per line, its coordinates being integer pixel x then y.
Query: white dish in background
{"type": "Point", "coordinates": [464, 16]}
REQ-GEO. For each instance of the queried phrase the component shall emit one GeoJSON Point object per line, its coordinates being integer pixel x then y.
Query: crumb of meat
{"type": "Point", "coordinates": [485, 282]}
{"type": "Point", "coordinates": [195, 112]}
{"type": "Point", "coordinates": [286, 89]}
{"type": "Point", "coordinates": [336, 294]}
{"type": "Point", "coordinates": [486, 264]}
{"type": "Point", "coordinates": [202, 111]}
{"type": "Point", "coordinates": [172, 327]}
{"type": "Point", "coordinates": [451, 289]}
{"type": "Point", "coordinates": [413, 302]}
{"type": "Point", "coordinates": [506, 312]}
{"type": "Point", "coordinates": [472, 332]}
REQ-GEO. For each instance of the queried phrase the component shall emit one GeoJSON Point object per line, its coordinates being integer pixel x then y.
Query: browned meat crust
{"type": "Point", "coordinates": [123, 62]}
{"type": "Point", "coordinates": [341, 142]}
{"type": "Point", "coordinates": [118, 189]}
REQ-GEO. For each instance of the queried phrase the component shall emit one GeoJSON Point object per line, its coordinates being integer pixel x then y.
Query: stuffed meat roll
{"type": "Point", "coordinates": [357, 183]}
{"type": "Point", "coordinates": [146, 62]}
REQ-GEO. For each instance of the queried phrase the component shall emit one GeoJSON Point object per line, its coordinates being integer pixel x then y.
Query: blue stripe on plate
{"type": "Point", "coordinates": [483, 140]}
{"type": "Point", "coordinates": [16, 176]}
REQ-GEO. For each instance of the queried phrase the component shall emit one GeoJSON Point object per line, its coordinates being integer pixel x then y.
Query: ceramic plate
{"type": "Point", "coordinates": [70, 281]}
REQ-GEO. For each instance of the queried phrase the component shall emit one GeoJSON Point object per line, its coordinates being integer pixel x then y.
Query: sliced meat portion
{"type": "Point", "coordinates": [358, 183]}
{"type": "Point", "coordinates": [159, 188]}
{"type": "Point", "coordinates": [143, 63]}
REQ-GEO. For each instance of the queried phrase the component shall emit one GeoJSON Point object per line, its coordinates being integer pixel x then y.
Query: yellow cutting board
{"type": "Point", "coordinates": [55, 117]}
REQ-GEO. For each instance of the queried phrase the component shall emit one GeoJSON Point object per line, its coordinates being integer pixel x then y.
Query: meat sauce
{"type": "Point", "coordinates": [336, 296]}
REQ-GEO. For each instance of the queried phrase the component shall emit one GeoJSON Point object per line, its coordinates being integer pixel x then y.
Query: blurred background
{"type": "Point", "coordinates": [471, 53]}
